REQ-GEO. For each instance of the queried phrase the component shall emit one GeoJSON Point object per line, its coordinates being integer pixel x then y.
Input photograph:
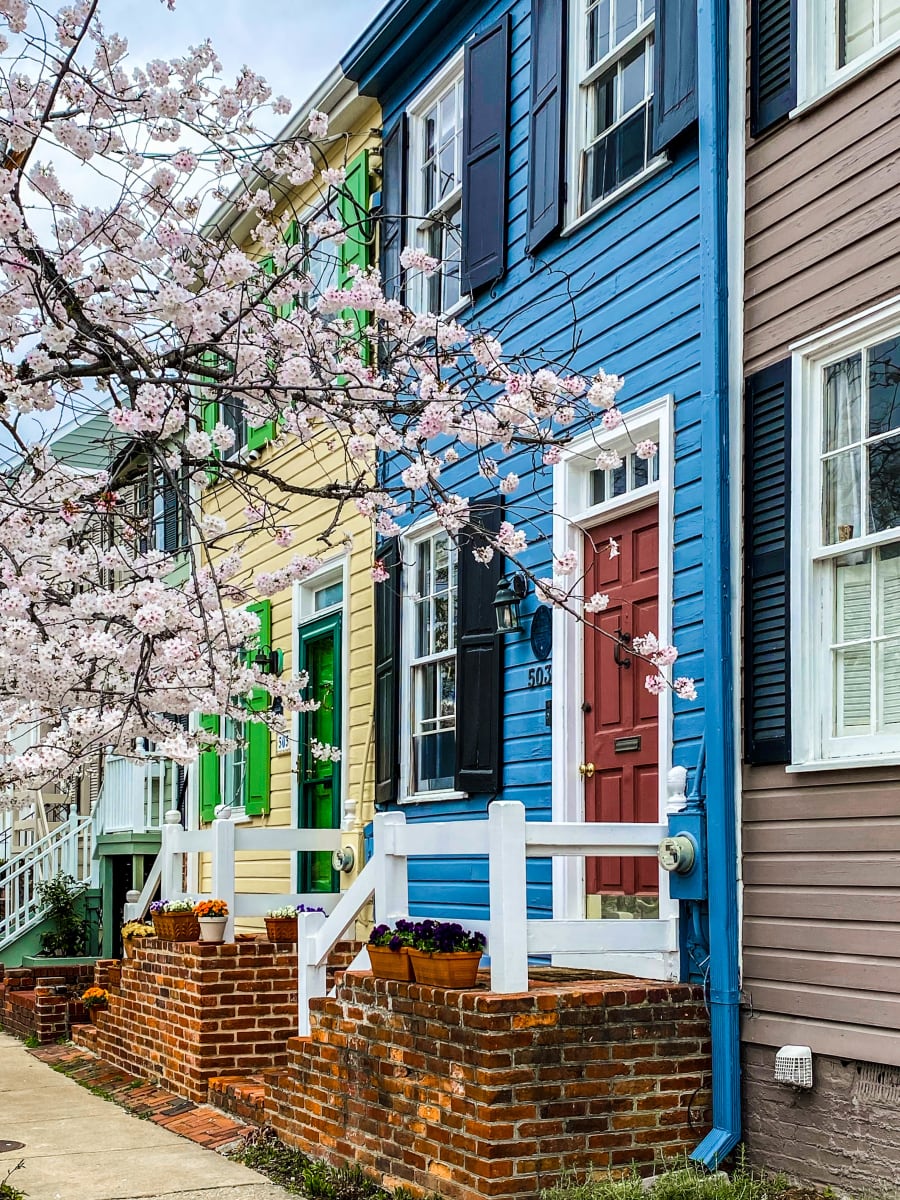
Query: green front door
{"type": "Point", "coordinates": [320, 779]}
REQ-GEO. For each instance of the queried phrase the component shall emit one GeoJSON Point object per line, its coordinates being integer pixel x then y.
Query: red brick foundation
{"type": "Point", "coordinates": [42, 1002]}
{"type": "Point", "coordinates": [476, 1095]}
{"type": "Point", "coordinates": [181, 1013]}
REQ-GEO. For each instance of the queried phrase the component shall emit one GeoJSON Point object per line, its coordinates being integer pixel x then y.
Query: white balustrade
{"type": "Point", "coordinates": [66, 849]}
{"type": "Point", "coordinates": [136, 794]}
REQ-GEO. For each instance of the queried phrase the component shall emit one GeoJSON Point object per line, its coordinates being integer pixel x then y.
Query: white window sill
{"type": "Point", "coordinates": [847, 76]}
{"type": "Point", "coordinates": [844, 764]}
{"type": "Point", "coordinates": [653, 168]}
{"type": "Point", "coordinates": [433, 797]}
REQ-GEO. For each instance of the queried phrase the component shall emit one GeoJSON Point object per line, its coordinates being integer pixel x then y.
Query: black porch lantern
{"type": "Point", "coordinates": [267, 660]}
{"type": "Point", "coordinates": [507, 598]}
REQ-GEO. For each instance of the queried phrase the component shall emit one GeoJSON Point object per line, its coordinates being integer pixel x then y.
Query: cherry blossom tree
{"type": "Point", "coordinates": [135, 306]}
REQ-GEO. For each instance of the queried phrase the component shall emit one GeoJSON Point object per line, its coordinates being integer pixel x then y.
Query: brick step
{"type": "Point", "coordinates": [85, 1036]}
{"type": "Point", "coordinates": [242, 1096]}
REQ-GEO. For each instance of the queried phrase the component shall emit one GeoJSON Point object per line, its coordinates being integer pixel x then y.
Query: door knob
{"type": "Point", "coordinates": [586, 770]}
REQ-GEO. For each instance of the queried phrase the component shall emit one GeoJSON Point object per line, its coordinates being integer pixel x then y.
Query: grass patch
{"type": "Point", "coordinates": [31, 1042]}
{"type": "Point", "coordinates": [296, 1172]}
{"type": "Point", "coordinates": [683, 1182]}
{"type": "Point", "coordinates": [7, 1191]}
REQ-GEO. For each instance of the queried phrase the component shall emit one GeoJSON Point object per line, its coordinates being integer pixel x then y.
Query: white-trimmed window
{"type": "Point", "coordinates": [613, 98]}
{"type": "Point", "coordinates": [435, 175]}
{"type": "Point", "coordinates": [851, 546]}
{"type": "Point", "coordinates": [233, 765]}
{"type": "Point", "coordinates": [430, 662]}
{"type": "Point", "coordinates": [839, 38]}
{"type": "Point", "coordinates": [863, 26]}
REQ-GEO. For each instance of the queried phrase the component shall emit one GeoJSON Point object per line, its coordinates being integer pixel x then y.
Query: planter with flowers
{"type": "Point", "coordinates": [281, 923]}
{"type": "Point", "coordinates": [443, 954]}
{"type": "Point", "coordinates": [389, 951]}
{"type": "Point", "coordinates": [212, 917]}
{"type": "Point", "coordinates": [174, 920]}
{"type": "Point", "coordinates": [133, 932]}
{"type": "Point", "coordinates": [95, 1000]}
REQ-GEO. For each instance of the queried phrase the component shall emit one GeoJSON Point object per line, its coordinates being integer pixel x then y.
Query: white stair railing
{"type": "Point", "coordinates": [66, 849]}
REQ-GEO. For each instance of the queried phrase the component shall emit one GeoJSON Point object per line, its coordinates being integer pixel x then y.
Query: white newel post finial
{"type": "Point", "coordinates": [677, 788]}
{"type": "Point", "coordinates": [223, 886]}
{"type": "Point", "coordinates": [130, 912]}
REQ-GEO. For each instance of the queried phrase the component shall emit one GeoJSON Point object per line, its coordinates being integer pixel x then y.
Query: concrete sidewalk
{"type": "Point", "coordinates": [81, 1147]}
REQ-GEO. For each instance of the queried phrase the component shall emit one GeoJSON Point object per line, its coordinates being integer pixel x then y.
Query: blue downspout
{"type": "Point", "coordinates": [724, 981]}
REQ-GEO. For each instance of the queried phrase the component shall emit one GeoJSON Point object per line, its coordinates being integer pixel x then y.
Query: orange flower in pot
{"type": "Point", "coordinates": [95, 999]}
{"type": "Point", "coordinates": [212, 917]}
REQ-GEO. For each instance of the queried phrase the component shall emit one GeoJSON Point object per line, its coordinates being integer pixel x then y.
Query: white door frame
{"type": "Point", "coordinates": [573, 514]}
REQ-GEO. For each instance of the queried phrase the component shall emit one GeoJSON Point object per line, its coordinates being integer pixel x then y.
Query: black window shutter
{"type": "Point", "coordinates": [773, 62]}
{"type": "Point", "coordinates": [674, 70]}
{"type": "Point", "coordinates": [394, 158]}
{"type": "Point", "coordinates": [387, 676]}
{"type": "Point", "coordinates": [767, 507]}
{"type": "Point", "coordinates": [546, 135]}
{"type": "Point", "coordinates": [485, 154]}
{"type": "Point", "coordinates": [171, 516]}
{"type": "Point", "coordinates": [479, 661]}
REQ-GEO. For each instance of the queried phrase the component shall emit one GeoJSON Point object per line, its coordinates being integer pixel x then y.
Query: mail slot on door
{"type": "Point", "coordinates": [624, 744]}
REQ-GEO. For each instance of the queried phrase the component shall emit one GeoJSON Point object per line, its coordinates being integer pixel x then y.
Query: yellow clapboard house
{"type": "Point", "coordinates": [323, 626]}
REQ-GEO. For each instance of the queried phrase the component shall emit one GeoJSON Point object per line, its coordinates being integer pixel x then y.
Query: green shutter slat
{"type": "Point", "coordinates": [209, 771]}
{"type": "Point", "coordinates": [257, 800]}
{"type": "Point", "coordinates": [767, 507]}
{"type": "Point", "coordinates": [353, 206]}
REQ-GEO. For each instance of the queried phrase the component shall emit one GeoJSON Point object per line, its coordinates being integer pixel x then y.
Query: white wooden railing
{"type": "Point", "coordinates": [65, 849]}
{"type": "Point", "coordinates": [223, 841]}
{"type": "Point", "coordinates": [136, 794]}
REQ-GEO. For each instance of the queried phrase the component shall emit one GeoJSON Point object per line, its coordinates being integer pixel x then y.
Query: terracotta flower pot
{"type": "Point", "coordinates": [457, 969]}
{"type": "Point", "coordinates": [94, 1011]}
{"type": "Point", "coordinates": [176, 927]}
{"type": "Point", "coordinates": [390, 964]}
{"type": "Point", "coordinates": [281, 929]}
{"type": "Point", "coordinates": [212, 929]}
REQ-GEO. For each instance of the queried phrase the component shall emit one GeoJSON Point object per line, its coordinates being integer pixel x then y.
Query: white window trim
{"type": "Point", "coordinates": [572, 515]}
{"type": "Point", "coordinates": [409, 540]}
{"type": "Point", "coordinates": [420, 220]}
{"type": "Point", "coordinates": [813, 746]}
{"type": "Point", "coordinates": [817, 78]}
{"type": "Point", "coordinates": [303, 613]}
{"type": "Point", "coordinates": [574, 118]}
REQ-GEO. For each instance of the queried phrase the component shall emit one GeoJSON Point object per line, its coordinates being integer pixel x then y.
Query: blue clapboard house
{"type": "Point", "coordinates": [566, 159]}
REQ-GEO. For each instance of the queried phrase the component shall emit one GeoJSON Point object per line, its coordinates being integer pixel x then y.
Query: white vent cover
{"type": "Point", "coordinates": [793, 1064]}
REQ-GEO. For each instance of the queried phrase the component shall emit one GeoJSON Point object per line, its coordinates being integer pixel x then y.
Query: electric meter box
{"type": "Point", "coordinates": [689, 884]}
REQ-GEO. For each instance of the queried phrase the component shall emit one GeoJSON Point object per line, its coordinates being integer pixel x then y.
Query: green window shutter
{"type": "Point", "coordinates": [257, 800]}
{"type": "Point", "coordinates": [257, 438]}
{"type": "Point", "coordinates": [354, 212]}
{"type": "Point", "coordinates": [291, 236]}
{"type": "Point", "coordinates": [209, 772]}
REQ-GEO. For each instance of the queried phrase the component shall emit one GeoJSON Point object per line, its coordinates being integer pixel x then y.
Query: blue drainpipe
{"type": "Point", "coordinates": [724, 981]}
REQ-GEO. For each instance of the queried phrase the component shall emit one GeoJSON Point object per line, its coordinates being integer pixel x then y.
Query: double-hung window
{"type": "Point", "coordinates": [233, 765]}
{"type": "Point", "coordinates": [436, 146]}
{"type": "Point", "coordinates": [864, 26]}
{"type": "Point", "coordinates": [431, 663]}
{"type": "Point", "coordinates": [613, 96]}
{"type": "Point", "coordinates": [851, 546]}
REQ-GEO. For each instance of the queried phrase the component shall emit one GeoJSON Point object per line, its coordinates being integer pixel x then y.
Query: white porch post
{"type": "Point", "coordinates": [509, 911]}
{"type": "Point", "coordinates": [223, 864]}
{"type": "Point", "coordinates": [310, 973]}
{"type": "Point", "coordinates": [170, 883]}
{"type": "Point", "coordinates": [391, 880]}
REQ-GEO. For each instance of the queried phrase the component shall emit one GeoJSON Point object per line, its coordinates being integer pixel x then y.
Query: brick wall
{"type": "Point", "coordinates": [182, 1013]}
{"type": "Point", "coordinates": [844, 1132]}
{"type": "Point", "coordinates": [477, 1095]}
{"type": "Point", "coordinates": [42, 1001]}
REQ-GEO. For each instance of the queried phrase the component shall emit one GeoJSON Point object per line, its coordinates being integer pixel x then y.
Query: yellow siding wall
{"type": "Point", "coordinates": [312, 464]}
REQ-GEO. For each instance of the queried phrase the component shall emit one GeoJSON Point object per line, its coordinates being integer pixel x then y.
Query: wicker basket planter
{"type": "Point", "coordinates": [457, 969]}
{"type": "Point", "coordinates": [391, 964]}
{"type": "Point", "coordinates": [281, 929]}
{"type": "Point", "coordinates": [176, 927]}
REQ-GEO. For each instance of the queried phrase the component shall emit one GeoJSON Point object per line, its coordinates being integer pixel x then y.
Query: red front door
{"type": "Point", "coordinates": [621, 718]}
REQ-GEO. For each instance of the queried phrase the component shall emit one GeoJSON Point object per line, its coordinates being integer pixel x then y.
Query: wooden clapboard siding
{"type": "Point", "coordinates": [822, 906]}
{"type": "Point", "coordinates": [822, 217]}
{"type": "Point", "coordinates": [312, 464]}
{"type": "Point", "coordinates": [627, 283]}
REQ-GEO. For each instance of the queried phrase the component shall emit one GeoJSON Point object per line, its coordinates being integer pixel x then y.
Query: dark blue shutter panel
{"type": "Point", "coordinates": [485, 154]}
{"type": "Point", "coordinates": [394, 157]}
{"type": "Point", "coordinates": [773, 62]}
{"type": "Point", "coordinates": [387, 676]}
{"type": "Point", "coordinates": [171, 516]}
{"type": "Point", "coordinates": [674, 70]}
{"type": "Point", "coordinates": [479, 661]}
{"type": "Point", "coordinates": [546, 134]}
{"type": "Point", "coordinates": [767, 523]}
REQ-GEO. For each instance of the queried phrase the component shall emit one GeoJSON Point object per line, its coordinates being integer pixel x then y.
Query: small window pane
{"type": "Point", "coordinates": [632, 79]}
{"type": "Point", "coordinates": [856, 29]}
{"type": "Point", "coordinates": [853, 686]}
{"type": "Point", "coordinates": [423, 628]}
{"type": "Point", "coordinates": [598, 32]}
{"type": "Point", "coordinates": [842, 403]}
{"type": "Point", "coordinates": [603, 104]}
{"type": "Point", "coordinates": [887, 672]}
{"type": "Point", "coordinates": [632, 146]}
{"type": "Point", "coordinates": [619, 480]}
{"type": "Point", "coordinates": [640, 471]}
{"type": "Point", "coordinates": [889, 23]}
{"type": "Point", "coordinates": [328, 596]}
{"type": "Point", "coordinates": [853, 597]}
{"type": "Point", "coordinates": [888, 583]}
{"type": "Point", "coordinates": [598, 487]}
{"type": "Point", "coordinates": [626, 12]}
{"type": "Point", "coordinates": [884, 485]}
{"type": "Point", "coordinates": [884, 387]}
{"type": "Point", "coordinates": [842, 498]}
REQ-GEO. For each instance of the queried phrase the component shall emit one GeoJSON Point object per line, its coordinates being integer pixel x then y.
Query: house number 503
{"type": "Point", "coordinates": [538, 676]}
